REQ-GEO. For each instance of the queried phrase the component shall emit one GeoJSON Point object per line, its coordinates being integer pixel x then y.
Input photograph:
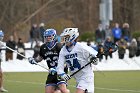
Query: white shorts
{"type": "Point", "coordinates": [86, 84]}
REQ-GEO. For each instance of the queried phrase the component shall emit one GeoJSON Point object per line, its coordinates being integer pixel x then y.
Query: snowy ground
{"type": "Point", "coordinates": [105, 65]}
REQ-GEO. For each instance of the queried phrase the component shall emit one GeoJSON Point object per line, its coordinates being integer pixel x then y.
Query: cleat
{"type": "Point", "coordinates": [3, 90]}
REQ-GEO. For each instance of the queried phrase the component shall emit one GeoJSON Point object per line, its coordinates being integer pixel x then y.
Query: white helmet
{"type": "Point", "coordinates": [69, 34]}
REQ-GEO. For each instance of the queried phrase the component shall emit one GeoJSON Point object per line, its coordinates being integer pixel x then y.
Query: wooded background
{"type": "Point", "coordinates": [17, 16]}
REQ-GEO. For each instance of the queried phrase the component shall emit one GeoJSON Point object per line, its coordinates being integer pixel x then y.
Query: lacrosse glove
{"type": "Point", "coordinates": [64, 77]}
{"type": "Point", "coordinates": [32, 60]}
{"type": "Point", "coordinates": [93, 59]}
{"type": "Point", "coordinates": [52, 71]}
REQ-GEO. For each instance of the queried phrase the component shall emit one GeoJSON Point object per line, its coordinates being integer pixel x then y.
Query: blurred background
{"type": "Point", "coordinates": [17, 16]}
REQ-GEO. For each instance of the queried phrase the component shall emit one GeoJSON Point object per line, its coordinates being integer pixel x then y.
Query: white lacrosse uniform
{"type": "Point", "coordinates": [75, 59]}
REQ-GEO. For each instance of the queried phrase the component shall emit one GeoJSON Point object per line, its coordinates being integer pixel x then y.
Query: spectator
{"type": "Point", "coordinates": [36, 50]}
{"type": "Point", "coordinates": [138, 47]}
{"type": "Point", "coordinates": [100, 49]}
{"type": "Point", "coordinates": [100, 33]}
{"type": "Point", "coordinates": [126, 32]}
{"type": "Point", "coordinates": [88, 42]}
{"type": "Point", "coordinates": [12, 44]}
{"type": "Point", "coordinates": [117, 33]}
{"type": "Point", "coordinates": [41, 30]}
{"type": "Point", "coordinates": [108, 32]}
{"type": "Point", "coordinates": [20, 49]}
{"type": "Point", "coordinates": [132, 48]}
{"type": "Point", "coordinates": [122, 45]}
{"type": "Point", "coordinates": [107, 45]}
{"type": "Point", "coordinates": [34, 34]}
{"type": "Point", "coordinates": [1, 73]}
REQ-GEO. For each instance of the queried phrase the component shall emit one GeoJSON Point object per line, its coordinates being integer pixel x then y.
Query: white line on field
{"type": "Point", "coordinates": [25, 82]}
{"type": "Point", "coordinates": [110, 89]}
{"type": "Point", "coordinates": [117, 89]}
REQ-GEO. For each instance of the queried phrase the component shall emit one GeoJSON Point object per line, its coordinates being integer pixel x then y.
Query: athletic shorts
{"type": "Point", "coordinates": [86, 84]}
{"type": "Point", "coordinates": [53, 81]}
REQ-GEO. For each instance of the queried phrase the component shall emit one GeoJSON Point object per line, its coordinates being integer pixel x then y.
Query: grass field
{"type": "Point", "coordinates": [109, 82]}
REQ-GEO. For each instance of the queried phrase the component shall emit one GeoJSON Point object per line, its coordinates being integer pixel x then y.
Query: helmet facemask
{"type": "Point", "coordinates": [49, 38]}
{"type": "Point", "coordinates": [65, 39]}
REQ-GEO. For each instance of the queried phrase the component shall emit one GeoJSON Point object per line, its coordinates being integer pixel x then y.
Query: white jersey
{"type": "Point", "coordinates": [75, 59]}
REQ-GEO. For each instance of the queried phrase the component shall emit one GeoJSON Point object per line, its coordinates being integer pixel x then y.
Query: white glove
{"type": "Point", "coordinates": [52, 71]}
{"type": "Point", "coordinates": [65, 77]}
{"type": "Point", "coordinates": [32, 60]}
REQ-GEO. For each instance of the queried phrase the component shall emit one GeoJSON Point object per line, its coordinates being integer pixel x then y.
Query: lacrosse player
{"type": "Point", "coordinates": [1, 73]}
{"type": "Point", "coordinates": [50, 51]}
{"type": "Point", "coordinates": [75, 55]}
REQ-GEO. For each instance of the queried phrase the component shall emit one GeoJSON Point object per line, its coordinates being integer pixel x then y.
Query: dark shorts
{"type": "Point", "coordinates": [52, 80]}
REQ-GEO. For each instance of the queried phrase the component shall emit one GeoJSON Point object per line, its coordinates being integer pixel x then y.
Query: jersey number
{"type": "Point", "coordinates": [73, 65]}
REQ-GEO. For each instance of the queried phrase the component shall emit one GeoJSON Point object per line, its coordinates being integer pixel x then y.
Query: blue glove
{"type": "Point", "coordinates": [52, 71]}
{"type": "Point", "coordinates": [32, 60]}
{"type": "Point", "coordinates": [64, 76]}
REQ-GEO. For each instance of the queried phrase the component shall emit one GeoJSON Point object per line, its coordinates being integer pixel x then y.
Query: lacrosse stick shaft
{"type": "Point", "coordinates": [23, 55]}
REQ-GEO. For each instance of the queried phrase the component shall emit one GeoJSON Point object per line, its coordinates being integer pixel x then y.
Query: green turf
{"type": "Point", "coordinates": [105, 82]}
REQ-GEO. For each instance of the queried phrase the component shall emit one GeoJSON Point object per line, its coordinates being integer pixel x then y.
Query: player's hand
{"type": "Point", "coordinates": [52, 71]}
{"type": "Point", "coordinates": [65, 77]}
{"type": "Point", "coordinates": [32, 60]}
{"type": "Point", "coordinates": [93, 59]}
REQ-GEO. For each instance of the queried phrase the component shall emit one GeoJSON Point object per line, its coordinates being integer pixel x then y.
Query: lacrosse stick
{"type": "Point", "coordinates": [23, 55]}
{"type": "Point", "coordinates": [114, 46]}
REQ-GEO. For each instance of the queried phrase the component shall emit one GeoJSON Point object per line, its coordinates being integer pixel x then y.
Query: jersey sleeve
{"type": "Point", "coordinates": [61, 63]}
{"type": "Point", "coordinates": [87, 50]}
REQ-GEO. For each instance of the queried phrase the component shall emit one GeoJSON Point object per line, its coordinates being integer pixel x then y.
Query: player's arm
{"type": "Point", "coordinates": [61, 62]}
{"type": "Point", "coordinates": [35, 60]}
{"type": "Point", "coordinates": [60, 68]}
{"type": "Point", "coordinates": [91, 57]}
{"type": "Point", "coordinates": [39, 58]}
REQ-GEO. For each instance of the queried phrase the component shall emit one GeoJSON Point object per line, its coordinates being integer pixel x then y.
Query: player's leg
{"type": "Point", "coordinates": [78, 90]}
{"type": "Point", "coordinates": [63, 88]}
{"type": "Point", "coordinates": [50, 89]}
{"type": "Point", "coordinates": [1, 78]}
{"type": "Point", "coordinates": [57, 91]}
{"type": "Point", "coordinates": [1, 82]}
{"type": "Point", "coordinates": [51, 84]}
